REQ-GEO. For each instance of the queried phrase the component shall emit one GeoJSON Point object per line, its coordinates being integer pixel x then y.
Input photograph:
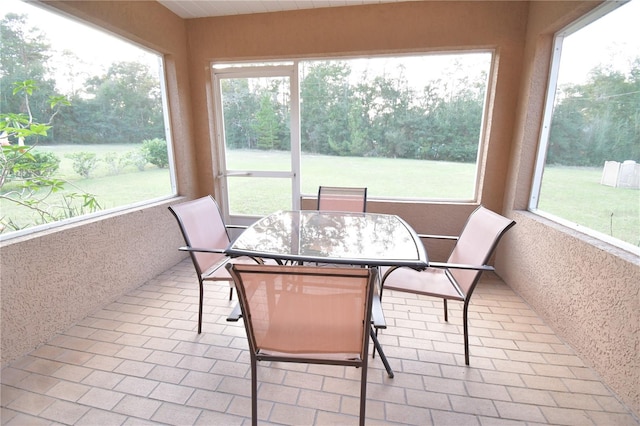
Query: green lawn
{"type": "Point", "coordinates": [575, 194]}
{"type": "Point", "coordinates": [129, 186]}
{"type": "Point", "coordinates": [569, 192]}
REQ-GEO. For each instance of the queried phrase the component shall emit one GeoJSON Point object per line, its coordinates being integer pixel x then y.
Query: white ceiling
{"type": "Point", "coordinates": [204, 8]}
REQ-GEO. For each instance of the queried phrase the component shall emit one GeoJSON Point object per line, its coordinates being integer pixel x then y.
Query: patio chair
{"type": "Point", "coordinates": [457, 278]}
{"type": "Point", "coordinates": [206, 237]}
{"type": "Point", "coordinates": [306, 314]}
{"type": "Point", "coordinates": [346, 199]}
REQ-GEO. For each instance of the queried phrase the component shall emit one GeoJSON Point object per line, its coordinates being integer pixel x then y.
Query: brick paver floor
{"type": "Point", "coordinates": [140, 361]}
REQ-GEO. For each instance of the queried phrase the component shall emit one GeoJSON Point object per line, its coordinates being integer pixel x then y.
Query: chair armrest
{"type": "Point", "coordinates": [438, 237]}
{"type": "Point", "coordinates": [377, 314]}
{"type": "Point", "coordinates": [236, 226]}
{"type": "Point", "coordinates": [202, 250]}
{"type": "Point", "coordinates": [460, 266]}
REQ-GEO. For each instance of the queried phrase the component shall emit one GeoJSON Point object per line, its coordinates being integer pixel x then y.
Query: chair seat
{"type": "Point", "coordinates": [430, 282]}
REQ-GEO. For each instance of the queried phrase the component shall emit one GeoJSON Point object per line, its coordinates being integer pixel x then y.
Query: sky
{"type": "Point", "coordinates": [582, 51]}
{"type": "Point", "coordinates": [96, 48]}
{"type": "Point", "coordinates": [587, 48]}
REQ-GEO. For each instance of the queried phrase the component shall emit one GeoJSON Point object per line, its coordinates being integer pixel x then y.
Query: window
{"type": "Point", "coordinates": [587, 175]}
{"type": "Point", "coordinates": [406, 127]}
{"type": "Point", "coordinates": [107, 145]}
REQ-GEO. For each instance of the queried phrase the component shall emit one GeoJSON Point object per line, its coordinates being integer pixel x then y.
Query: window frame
{"type": "Point", "coordinates": [219, 69]}
{"type": "Point", "coordinates": [135, 206]}
{"type": "Point", "coordinates": [545, 129]}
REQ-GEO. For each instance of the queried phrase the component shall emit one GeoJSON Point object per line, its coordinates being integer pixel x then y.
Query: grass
{"type": "Point", "coordinates": [383, 177]}
{"type": "Point", "coordinates": [573, 193]}
{"type": "Point", "coordinates": [127, 187]}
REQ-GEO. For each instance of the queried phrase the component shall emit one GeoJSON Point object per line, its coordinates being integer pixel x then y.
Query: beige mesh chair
{"type": "Point", "coordinates": [206, 238]}
{"type": "Point", "coordinates": [343, 199]}
{"type": "Point", "coordinates": [306, 314]}
{"type": "Point", "coordinates": [456, 279]}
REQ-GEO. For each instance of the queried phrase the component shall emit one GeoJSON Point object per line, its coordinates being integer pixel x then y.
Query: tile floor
{"type": "Point", "coordinates": [139, 361]}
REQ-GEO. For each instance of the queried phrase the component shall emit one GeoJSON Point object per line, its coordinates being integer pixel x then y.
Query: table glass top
{"type": "Point", "coordinates": [336, 237]}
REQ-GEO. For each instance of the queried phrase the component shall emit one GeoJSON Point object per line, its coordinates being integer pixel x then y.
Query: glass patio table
{"type": "Point", "coordinates": [309, 236]}
{"type": "Point", "coordinates": [367, 239]}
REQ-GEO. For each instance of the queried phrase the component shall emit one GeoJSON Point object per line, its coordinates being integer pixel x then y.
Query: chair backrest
{"type": "Point", "coordinates": [305, 311]}
{"type": "Point", "coordinates": [345, 199]}
{"type": "Point", "coordinates": [476, 244]}
{"type": "Point", "coordinates": [202, 226]}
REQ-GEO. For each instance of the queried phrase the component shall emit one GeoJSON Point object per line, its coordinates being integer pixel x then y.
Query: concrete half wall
{"type": "Point", "coordinates": [52, 280]}
{"type": "Point", "coordinates": [587, 291]}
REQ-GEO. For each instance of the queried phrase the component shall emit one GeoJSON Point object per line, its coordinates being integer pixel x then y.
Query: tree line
{"type": "Point", "coordinates": [593, 122]}
{"type": "Point", "coordinates": [598, 120]}
{"type": "Point", "coordinates": [121, 106]}
{"type": "Point", "coordinates": [380, 117]}
{"type": "Point", "coordinates": [383, 116]}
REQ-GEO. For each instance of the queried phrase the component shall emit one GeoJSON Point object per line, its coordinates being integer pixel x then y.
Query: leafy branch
{"type": "Point", "coordinates": [30, 171]}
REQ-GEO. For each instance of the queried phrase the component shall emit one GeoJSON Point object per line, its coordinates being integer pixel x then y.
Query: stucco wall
{"type": "Point", "coordinates": [54, 279]}
{"type": "Point", "coordinates": [586, 290]}
{"type": "Point", "coordinates": [361, 30]}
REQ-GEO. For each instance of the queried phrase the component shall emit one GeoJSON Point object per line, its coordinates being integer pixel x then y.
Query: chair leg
{"type": "Point", "coordinates": [446, 311]}
{"type": "Point", "coordinates": [363, 389]}
{"type": "Point", "coordinates": [373, 353]}
{"type": "Point", "coordinates": [465, 327]}
{"type": "Point", "coordinates": [230, 293]}
{"type": "Point", "coordinates": [363, 396]}
{"type": "Point", "coordinates": [254, 392]}
{"type": "Point", "coordinates": [200, 308]}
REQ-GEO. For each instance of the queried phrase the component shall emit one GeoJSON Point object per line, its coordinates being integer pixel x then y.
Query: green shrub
{"type": "Point", "coordinates": [155, 151]}
{"type": "Point", "coordinates": [28, 164]}
{"type": "Point", "coordinates": [83, 162]}
{"type": "Point", "coordinates": [116, 162]}
{"type": "Point", "coordinates": [137, 158]}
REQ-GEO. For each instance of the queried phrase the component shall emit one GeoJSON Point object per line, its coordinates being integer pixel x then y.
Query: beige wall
{"type": "Point", "coordinates": [361, 30]}
{"type": "Point", "coordinates": [588, 293]}
{"type": "Point", "coordinates": [586, 290]}
{"type": "Point", "coordinates": [53, 279]}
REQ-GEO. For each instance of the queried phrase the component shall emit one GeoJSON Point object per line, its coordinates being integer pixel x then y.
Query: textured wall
{"type": "Point", "coordinates": [54, 279]}
{"type": "Point", "coordinates": [587, 291]}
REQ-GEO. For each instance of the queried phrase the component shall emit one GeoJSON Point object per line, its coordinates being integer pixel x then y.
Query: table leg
{"type": "Point", "coordinates": [236, 314]}
{"type": "Point", "coordinates": [377, 347]}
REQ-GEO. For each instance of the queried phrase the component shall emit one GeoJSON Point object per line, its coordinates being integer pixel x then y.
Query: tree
{"type": "Point", "coordinates": [267, 124]}
{"type": "Point", "coordinates": [240, 106]}
{"type": "Point", "coordinates": [23, 57]}
{"type": "Point", "coordinates": [123, 106]}
{"type": "Point", "coordinates": [325, 95]}
{"type": "Point", "coordinates": [568, 133]}
{"type": "Point", "coordinates": [598, 120]}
